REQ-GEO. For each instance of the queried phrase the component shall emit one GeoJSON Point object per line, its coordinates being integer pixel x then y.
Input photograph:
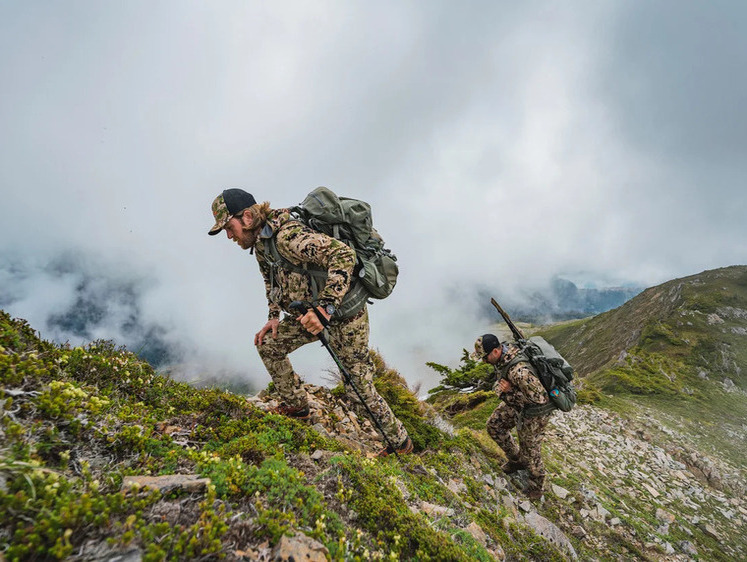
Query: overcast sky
{"type": "Point", "coordinates": [499, 144]}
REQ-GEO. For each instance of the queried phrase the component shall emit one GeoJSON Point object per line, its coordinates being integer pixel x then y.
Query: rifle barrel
{"type": "Point", "coordinates": [516, 332]}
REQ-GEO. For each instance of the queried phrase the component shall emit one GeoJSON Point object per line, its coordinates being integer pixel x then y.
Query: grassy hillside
{"type": "Point", "coordinates": [680, 348]}
{"type": "Point", "coordinates": [700, 320]}
{"type": "Point", "coordinates": [81, 427]}
{"type": "Point", "coordinates": [101, 456]}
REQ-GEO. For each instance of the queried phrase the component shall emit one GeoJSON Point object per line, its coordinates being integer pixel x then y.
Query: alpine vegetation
{"type": "Point", "coordinates": [101, 456]}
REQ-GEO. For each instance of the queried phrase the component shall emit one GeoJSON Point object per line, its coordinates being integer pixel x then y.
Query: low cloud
{"type": "Point", "coordinates": [500, 146]}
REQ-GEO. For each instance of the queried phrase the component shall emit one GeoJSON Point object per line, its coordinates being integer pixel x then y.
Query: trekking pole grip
{"type": "Point", "coordinates": [302, 307]}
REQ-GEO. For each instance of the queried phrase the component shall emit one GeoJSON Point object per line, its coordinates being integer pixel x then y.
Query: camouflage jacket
{"type": "Point", "coordinates": [526, 388]}
{"type": "Point", "coordinates": [302, 246]}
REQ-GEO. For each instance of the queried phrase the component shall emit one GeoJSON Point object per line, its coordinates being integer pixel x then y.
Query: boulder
{"type": "Point", "coordinates": [551, 532]}
{"type": "Point", "coordinates": [299, 547]}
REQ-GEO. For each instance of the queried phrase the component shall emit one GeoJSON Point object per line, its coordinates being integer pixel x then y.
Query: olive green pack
{"type": "Point", "coordinates": [350, 221]}
{"type": "Point", "coordinates": [553, 371]}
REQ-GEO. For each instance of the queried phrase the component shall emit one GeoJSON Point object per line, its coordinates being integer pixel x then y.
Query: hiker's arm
{"type": "Point", "coordinates": [307, 246]}
{"type": "Point", "coordinates": [527, 382]}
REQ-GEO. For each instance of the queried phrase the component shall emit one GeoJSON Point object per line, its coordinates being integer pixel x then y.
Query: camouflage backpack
{"type": "Point", "coordinates": [350, 221]}
{"type": "Point", "coordinates": [553, 371]}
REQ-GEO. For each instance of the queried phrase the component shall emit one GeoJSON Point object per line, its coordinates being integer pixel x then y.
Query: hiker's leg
{"type": "Point", "coordinates": [531, 432]}
{"type": "Point", "coordinates": [274, 354]}
{"type": "Point", "coordinates": [499, 426]}
{"type": "Point", "coordinates": [349, 340]}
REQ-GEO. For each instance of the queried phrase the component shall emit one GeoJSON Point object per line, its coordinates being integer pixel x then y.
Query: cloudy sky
{"type": "Point", "coordinates": [499, 144]}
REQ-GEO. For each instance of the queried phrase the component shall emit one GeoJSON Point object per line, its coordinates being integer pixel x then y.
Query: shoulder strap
{"type": "Point", "coordinates": [539, 409]}
{"type": "Point", "coordinates": [518, 358]}
{"type": "Point", "coordinates": [353, 301]}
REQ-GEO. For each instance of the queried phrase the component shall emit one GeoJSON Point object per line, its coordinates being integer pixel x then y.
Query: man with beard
{"type": "Point", "coordinates": [268, 232]}
{"type": "Point", "coordinates": [526, 406]}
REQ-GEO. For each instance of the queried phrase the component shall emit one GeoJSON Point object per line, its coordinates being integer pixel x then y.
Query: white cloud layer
{"type": "Point", "coordinates": [499, 145]}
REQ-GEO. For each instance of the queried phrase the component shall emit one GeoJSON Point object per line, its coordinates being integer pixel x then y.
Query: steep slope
{"type": "Point", "coordinates": [701, 319]}
{"type": "Point", "coordinates": [680, 348]}
{"type": "Point", "coordinates": [102, 458]}
{"type": "Point", "coordinates": [655, 468]}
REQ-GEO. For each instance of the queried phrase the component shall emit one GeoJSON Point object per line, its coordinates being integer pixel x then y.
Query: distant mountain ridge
{"type": "Point", "coordinates": [562, 300]}
{"type": "Point", "coordinates": [701, 317]}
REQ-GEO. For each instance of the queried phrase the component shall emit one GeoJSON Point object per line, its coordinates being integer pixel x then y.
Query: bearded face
{"type": "Point", "coordinates": [247, 237]}
{"type": "Point", "coordinates": [242, 231]}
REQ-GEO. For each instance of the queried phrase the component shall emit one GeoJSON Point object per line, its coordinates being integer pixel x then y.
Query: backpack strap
{"type": "Point", "coordinates": [317, 276]}
{"type": "Point", "coordinates": [353, 301]}
{"type": "Point", "coordinates": [538, 410]}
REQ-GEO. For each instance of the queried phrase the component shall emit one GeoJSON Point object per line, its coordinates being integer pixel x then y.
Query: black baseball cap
{"type": "Point", "coordinates": [227, 204]}
{"type": "Point", "coordinates": [484, 345]}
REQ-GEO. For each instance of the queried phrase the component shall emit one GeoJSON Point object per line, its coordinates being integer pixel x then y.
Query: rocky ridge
{"type": "Point", "coordinates": [660, 495]}
{"type": "Point", "coordinates": [102, 457]}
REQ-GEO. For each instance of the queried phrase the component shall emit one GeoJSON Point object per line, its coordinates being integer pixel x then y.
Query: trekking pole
{"type": "Point", "coordinates": [301, 308]}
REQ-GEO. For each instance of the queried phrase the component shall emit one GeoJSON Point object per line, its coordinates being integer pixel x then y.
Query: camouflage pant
{"type": "Point", "coordinates": [349, 340]}
{"type": "Point", "coordinates": [530, 432]}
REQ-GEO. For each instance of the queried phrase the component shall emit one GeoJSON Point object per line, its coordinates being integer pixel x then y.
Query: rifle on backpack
{"type": "Point", "coordinates": [553, 371]}
{"type": "Point", "coordinates": [518, 336]}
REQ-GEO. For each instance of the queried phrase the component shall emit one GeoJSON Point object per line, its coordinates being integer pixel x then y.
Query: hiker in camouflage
{"type": "Point", "coordinates": [252, 226]}
{"type": "Point", "coordinates": [521, 392]}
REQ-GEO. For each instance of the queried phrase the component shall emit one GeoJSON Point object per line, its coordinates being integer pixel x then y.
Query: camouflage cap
{"type": "Point", "coordinates": [484, 345]}
{"type": "Point", "coordinates": [227, 204]}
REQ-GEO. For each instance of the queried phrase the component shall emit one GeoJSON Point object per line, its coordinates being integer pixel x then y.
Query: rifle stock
{"type": "Point", "coordinates": [518, 336]}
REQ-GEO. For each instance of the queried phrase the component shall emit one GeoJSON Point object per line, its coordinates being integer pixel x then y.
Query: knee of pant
{"type": "Point", "coordinates": [270, 352]}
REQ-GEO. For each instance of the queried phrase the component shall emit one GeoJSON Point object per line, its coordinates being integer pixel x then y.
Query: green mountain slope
{"type": "Point", "coordinates": [102, 457]}
{"type": "Point", "coordinates": [701, 319]}
{"type": "Point", "coordinates": [680, 348]}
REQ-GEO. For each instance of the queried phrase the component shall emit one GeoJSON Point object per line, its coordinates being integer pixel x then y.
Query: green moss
{"type": "Point", "coordinates": [47, 513]}
{"type": "Point", "coordinates": [477, 418]}
{"type": "Point", "coordinates": [405, 405]}
{"type": "Point", "coordinates": [383, 512]}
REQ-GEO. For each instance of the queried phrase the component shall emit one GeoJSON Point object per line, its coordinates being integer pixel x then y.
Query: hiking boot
{"type": "Point", "coordinates": [513, 466]}
{"type": "Point", "coordinates": [403, 449]}
{"type": "Point", "coordinates": [297, 412]}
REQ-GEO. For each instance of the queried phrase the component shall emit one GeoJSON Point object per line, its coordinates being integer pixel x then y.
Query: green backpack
{"type": "Point", "coordinates": [350, 221]}
{"type": "Point", "coordinates": [553, 371]}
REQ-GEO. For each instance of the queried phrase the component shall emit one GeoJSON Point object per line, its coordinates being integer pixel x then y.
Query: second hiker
{"type": "Point", "coordinates": [525, 405]}
{"type": "Point", "coordinates": [288, 254]}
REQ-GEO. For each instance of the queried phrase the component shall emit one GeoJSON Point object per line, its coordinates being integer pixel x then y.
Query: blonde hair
{"type": "Point", "coordinates": [259, 212]}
